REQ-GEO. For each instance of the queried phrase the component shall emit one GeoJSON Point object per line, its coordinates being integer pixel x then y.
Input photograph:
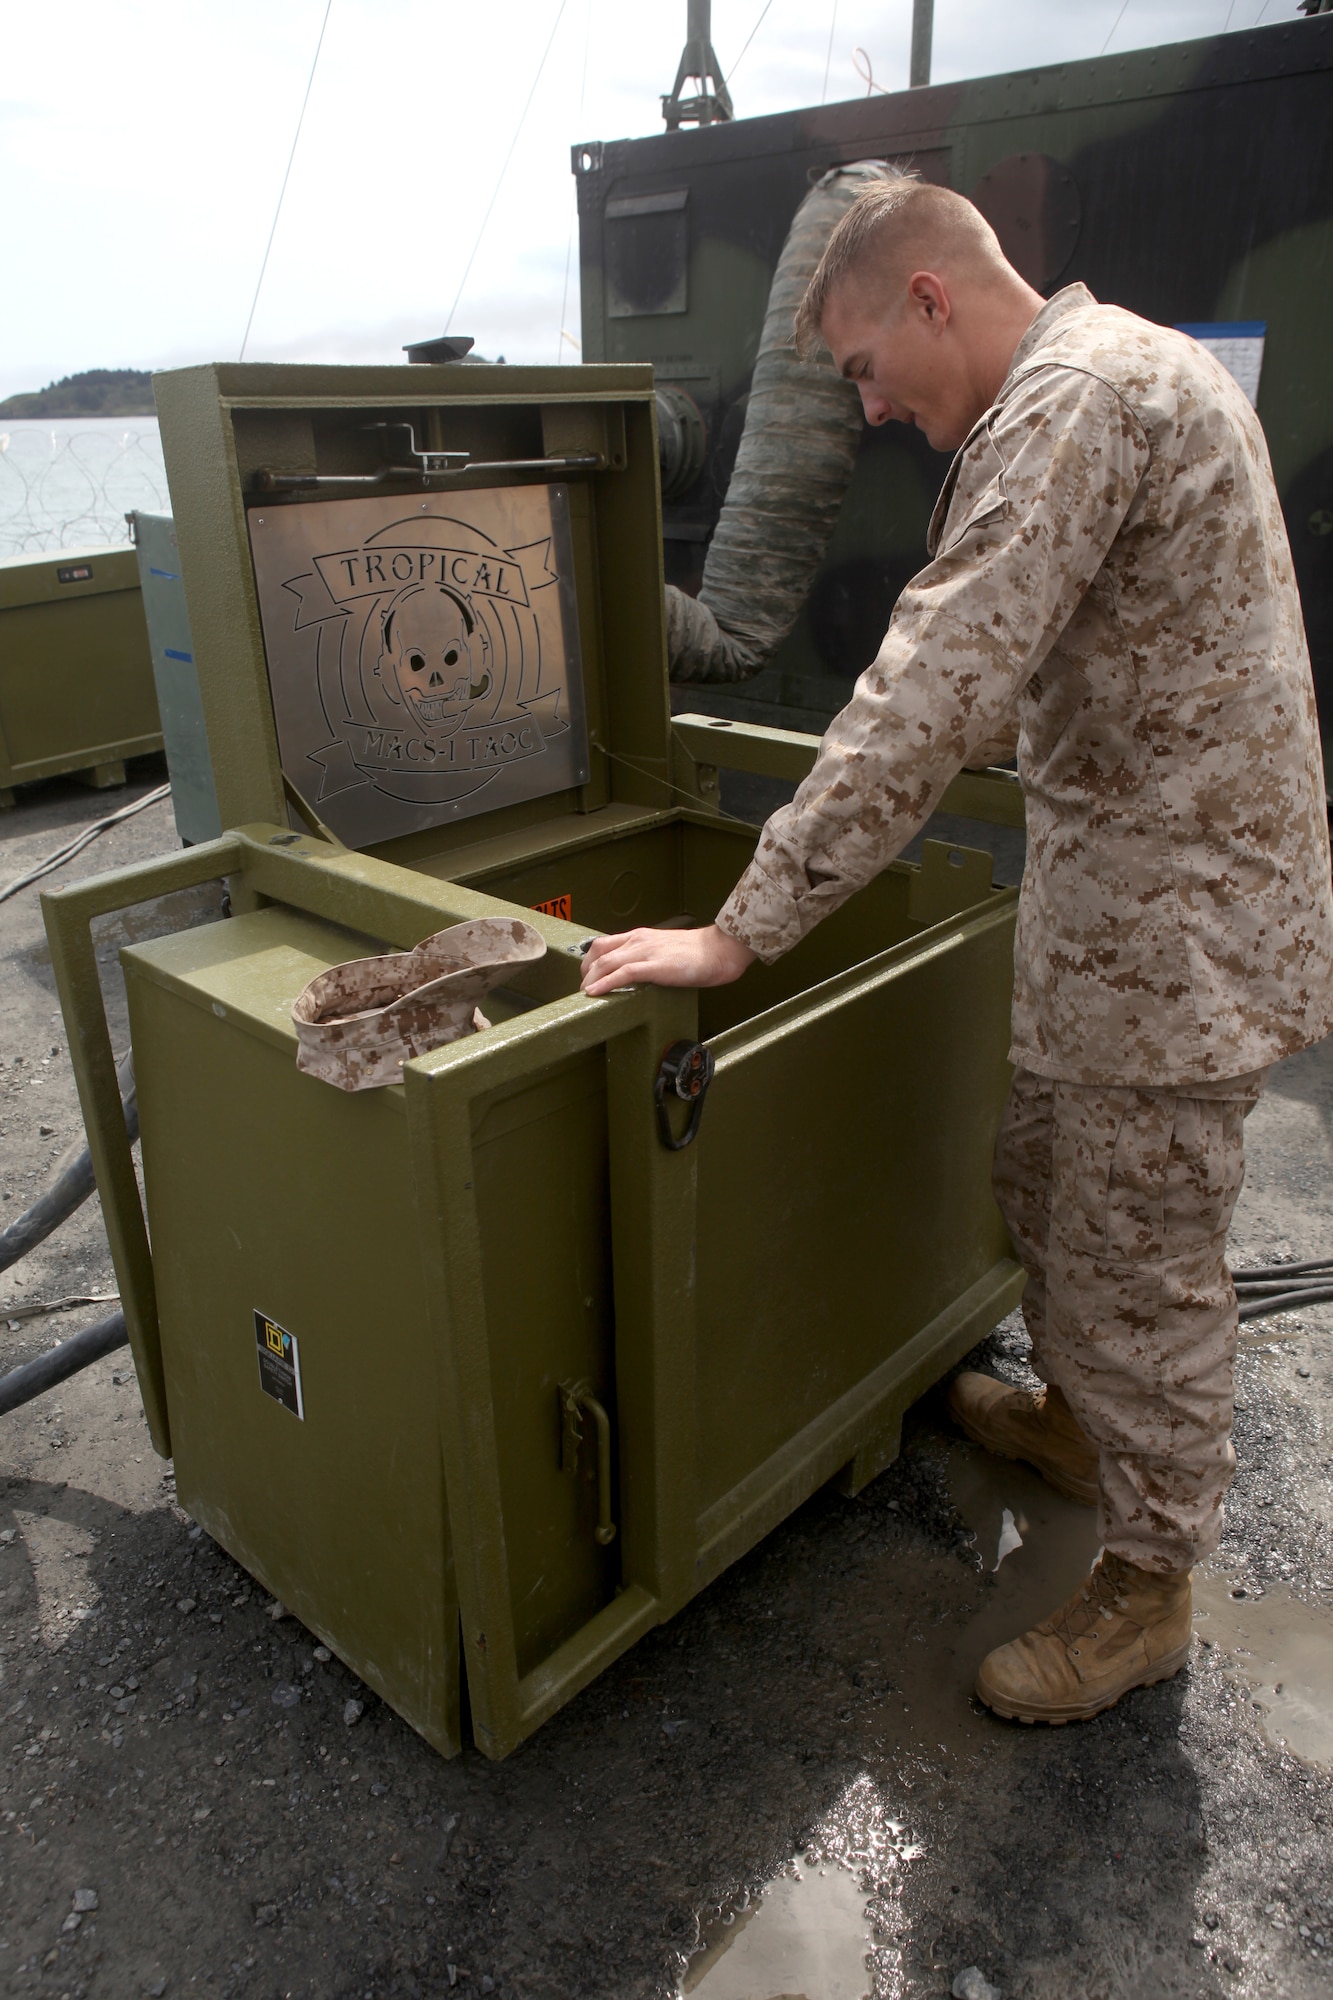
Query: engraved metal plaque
{"type": "Point", "coordinates": [423, 655]}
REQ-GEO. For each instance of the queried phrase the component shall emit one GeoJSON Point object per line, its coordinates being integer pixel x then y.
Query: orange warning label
{"type": "Point", "coordinates": [556, 906]}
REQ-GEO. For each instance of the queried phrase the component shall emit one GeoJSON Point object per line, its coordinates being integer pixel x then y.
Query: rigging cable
{"type": "Point", "coordinates": [296, 138]}
{"type": "Point", "coordinates": [828, 53]}
{"type": "Point", "coordinates": [1114, 25]}
{"type": "Point", "coordinates": [518, 130]}
{"type": "Point", "coordinates": [573, 215]}
{"type": "Point", "coordinates": [763, 15]}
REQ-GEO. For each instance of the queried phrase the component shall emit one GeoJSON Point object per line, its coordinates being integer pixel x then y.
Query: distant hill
{"type": "Point", "coordinates": [98, 392]}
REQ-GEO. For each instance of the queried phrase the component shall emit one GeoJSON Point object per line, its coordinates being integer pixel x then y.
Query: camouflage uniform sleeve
{"type": "Point", "coordinates": [1001, 748]}
{"type": "Point", "coordinates": [1041, 492]}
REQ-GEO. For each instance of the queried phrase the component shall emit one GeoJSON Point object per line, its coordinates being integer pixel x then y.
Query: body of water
{"type": "Point", "coordinates": [68, 482]}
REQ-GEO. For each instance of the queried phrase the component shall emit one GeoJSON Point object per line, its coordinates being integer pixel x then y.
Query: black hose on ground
{"type": "Point", "coordinates": [74, 1182]}
{"type": "Point", "coordinates": [1285, 1302]}
{"type": "Point", "coordinates": [79, 1351]}
{"type": "Point", "coordinates": [1262, 1273]}
{"type": "Point", "coordinates": [802, 430]}
{"type": "Point", "coordinates": [1264, 1289]}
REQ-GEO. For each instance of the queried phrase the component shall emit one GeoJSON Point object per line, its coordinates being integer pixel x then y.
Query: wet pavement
{"type": "Point", "coordinates": [788, 1793]}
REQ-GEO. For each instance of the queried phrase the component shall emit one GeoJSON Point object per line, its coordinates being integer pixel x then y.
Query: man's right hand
{"type": "Point", "coordinates": [707, 957]}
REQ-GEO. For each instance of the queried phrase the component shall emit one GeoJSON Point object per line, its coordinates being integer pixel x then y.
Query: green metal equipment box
{"type": "Point", "coordinates": [76, 677]}
{"type": "Point", "coordinates": [539, 1376]}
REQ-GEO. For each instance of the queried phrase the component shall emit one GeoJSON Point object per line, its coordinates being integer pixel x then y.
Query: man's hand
{"type": "Point", "coordinates": [664, 958]}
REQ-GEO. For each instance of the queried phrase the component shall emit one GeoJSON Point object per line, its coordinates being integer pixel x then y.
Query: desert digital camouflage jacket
{"type": "Point", "coordinates": [1110, 565]}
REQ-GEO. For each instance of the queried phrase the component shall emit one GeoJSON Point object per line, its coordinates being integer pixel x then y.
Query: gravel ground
{"type": "Point", "coordinates": [195, 1798]}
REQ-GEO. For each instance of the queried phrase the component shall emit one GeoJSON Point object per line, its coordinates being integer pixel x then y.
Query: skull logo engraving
{"type": "Point", "coordinates": [433, 657]}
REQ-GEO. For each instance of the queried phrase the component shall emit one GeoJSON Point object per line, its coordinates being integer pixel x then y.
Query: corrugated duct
{"type": "Point", "coordinates": [802, 428]}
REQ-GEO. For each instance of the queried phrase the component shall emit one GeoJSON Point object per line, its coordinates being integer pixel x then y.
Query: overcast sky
{"type": "Point", "coordinates": [142, 148]}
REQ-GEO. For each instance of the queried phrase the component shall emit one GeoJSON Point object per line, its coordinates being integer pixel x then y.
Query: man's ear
{"type": "Point", "coordinates": [930, 297]}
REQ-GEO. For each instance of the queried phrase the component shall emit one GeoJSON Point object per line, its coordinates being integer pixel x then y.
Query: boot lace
{"type": "Point", "coordinates": [1094, 1605]}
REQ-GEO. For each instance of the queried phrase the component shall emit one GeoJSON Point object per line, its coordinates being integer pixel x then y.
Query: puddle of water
{"type": "Point", "coordinates": [1047, 1544]}
{"type": "Point", "coordinates": [1044, 1545]}
{"type": "Point", "coordinates": [806, 1939]}
{"type": "Point", "coordinates": [1282, 1650]}
{"type": "Point", "coordinates": [1010, 1538]}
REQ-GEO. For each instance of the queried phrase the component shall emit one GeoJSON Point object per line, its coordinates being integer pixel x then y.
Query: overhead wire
{"type": "Point", "coordinates": [499, 179]}
{"type": "Point", "coordinates": [763, 16]}
{"type": "Point", "coordinates": [282, 192]}
{"type": "Point", "coordinates": [828, 53]}
{"type": "Point", "coordinates": [573, 214]}
{"type": "Point", "coordinates": [1114, 25]}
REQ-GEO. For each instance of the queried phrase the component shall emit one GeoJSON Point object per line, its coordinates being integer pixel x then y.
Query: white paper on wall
{"type": "Point", "coordinates": [1238, 345]}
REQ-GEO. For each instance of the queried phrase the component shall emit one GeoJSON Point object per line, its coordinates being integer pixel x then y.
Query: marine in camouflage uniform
{"type": "Point", "coordinates": [1111, 593]}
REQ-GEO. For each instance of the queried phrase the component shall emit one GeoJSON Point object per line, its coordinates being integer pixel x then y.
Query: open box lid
{"type": "Point", "coordinates": [429, 596]}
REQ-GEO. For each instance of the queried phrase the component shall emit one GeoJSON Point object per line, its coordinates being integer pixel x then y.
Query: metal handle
{"type": "Point", "coordinates": [686, 1069]}
{"type": "Point", "coordinates": [575, 1398]}
{"type": "Point", "coordinates": [266, 480]}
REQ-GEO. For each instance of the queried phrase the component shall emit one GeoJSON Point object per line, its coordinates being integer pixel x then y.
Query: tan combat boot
{"type": "Point", "coordinates": [1124, 1628]}
{"type": "Point", "coordinates": [1040, 1429]}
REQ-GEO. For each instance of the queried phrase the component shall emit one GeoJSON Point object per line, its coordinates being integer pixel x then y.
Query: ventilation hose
{"type": "Point", "coordinates": [73, 1183]}
{"type": "Point", "coordinates": [802, 429]}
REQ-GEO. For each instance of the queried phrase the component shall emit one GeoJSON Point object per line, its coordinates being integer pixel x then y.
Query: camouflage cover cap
{"type": "Point", "coordinates": [358, 1023]}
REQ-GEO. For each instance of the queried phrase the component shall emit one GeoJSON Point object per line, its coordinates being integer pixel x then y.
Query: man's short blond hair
{"type": "Point", "coordinates": [895, 227]}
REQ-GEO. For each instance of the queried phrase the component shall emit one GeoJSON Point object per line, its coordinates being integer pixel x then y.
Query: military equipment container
{"type": "Point", "coordinates": [500, 1365]}
{"type": "Point", "coordinates": [1192, 184]}
{"type": "Point", "coordinates": [76, 680]}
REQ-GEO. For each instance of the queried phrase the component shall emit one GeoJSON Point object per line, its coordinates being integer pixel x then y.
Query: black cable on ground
{"type": "Point", "coordinates": [103, 1337]}
{"type": "Point", "coordinates": [1262, 1289]}
{"type": "Point", "coordinates": [1285, 1302]}
{"type": "Point", "coordinates": [1259, 1273]}
{"type": "Point", "coordinates": [81, 840]}
{"type": "Point", "coordinates": [74, 1182]}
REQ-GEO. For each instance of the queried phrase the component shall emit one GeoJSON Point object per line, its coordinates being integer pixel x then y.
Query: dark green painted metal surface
{"type": "Point", "coordinates": [479, 1264]}
{"type": "Point", "coordinates": [1189, 183]}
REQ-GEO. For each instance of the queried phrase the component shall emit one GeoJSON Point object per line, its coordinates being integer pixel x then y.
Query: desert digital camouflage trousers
{"type": "Point", "coordinates": [1118, 1201]}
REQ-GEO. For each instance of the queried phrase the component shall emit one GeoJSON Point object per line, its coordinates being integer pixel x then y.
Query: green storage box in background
{"type": "Point", "coordinates": [545, 1376]}
{"type": "Point", "coordinates": [76, 677]}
